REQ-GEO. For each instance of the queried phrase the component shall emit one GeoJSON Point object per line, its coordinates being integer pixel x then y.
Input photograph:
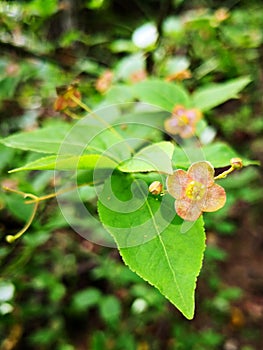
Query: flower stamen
{"type": "Point", "coordinates": [195, 190]}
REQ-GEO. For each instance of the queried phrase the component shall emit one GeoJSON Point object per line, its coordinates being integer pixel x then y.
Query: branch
{"type": "Point", "coordinates": [61, 57]}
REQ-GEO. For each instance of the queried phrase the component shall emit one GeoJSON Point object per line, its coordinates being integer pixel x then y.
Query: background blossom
{"type": "Point", "coordinates": [182, 121]}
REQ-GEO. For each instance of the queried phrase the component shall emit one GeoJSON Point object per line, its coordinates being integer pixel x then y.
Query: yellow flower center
{"type": "Point", "coordinates": [195, 190]}
{"type": "Point", "coordinates": [183, 120]}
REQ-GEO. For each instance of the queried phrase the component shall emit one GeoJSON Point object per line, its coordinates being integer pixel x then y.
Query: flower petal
{"type": "Point", "coordinates": [187, 131]}
{"type": "Point", "coordinates": [178, 110]}
{"type": "Point", "coordinates": [171, 126]}
{"type": "Point", "coordinates": [202, 172]}
{"type": "Point", "coordinates": [177, 183]}
{"type": "Point", "coordinates": [194, 115]}
{"type": "Point", "coordinates": [215, 198]}
{"type": "Point", "coordinates": [187, 209]}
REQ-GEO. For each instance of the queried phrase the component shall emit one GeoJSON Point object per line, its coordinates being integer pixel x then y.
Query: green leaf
{"type": "Point", "coordinates": [151, 241]}
{"type": "Point", "coordinates": [119, 94]}
{"type": "Point", "coordinates": [218, 154]}
{"type": "Point", "coordinates": [156, 157]}
{"type": "Point", "coordinates": [7, 87]}
{"type": "Point", "coordinates": [161, 93]}
{"type": "Point", "coordinates": [142, 127]}
{"type": "Point", "coordinates": [88, 135]}
{"type": "Point", "coordinates": [84, 299]}
{"type": "Point", "coordinates": [45, 140]}
{"type": "Point", "coordinates": [89, 161]}
{"type": "Point", "coordinates": [212, 95]}
{"type": "Point", "coordinates": [110, 309]}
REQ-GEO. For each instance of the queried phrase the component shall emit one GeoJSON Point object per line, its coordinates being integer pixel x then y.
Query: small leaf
{"type": "Point", "coordinates": [156, 157]}
{"type": "Point", "coordinates": [213, 95]}
{"type": "Point", "coordinates": [110, 309]}
{"type": "Point", "coordinates": [162, 94]}
{"type": "Point", "coordinates": [84, 299]}
{"type": "Point", "coordinates": [150, 239]}
{"type": "Point", "coordinates": [89, 161]}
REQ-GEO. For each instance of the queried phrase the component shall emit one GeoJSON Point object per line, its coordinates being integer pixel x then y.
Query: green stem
{"type": "Point", "coordinates": [36, 200]}
{"type": "Point", "coordinates": [101, 120]}
{"type": "Point", "coordinates": [12, 238]}
{"type": "Point", "coordinates": [224, 174]}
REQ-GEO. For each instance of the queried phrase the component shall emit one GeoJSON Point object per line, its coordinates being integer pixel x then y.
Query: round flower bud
{"type": "Point", "coordinates": [236, 163]}
{"type": "Point", "coordinates": [10, 239]}
{"type": "Point", "coordinates": [155, 188]}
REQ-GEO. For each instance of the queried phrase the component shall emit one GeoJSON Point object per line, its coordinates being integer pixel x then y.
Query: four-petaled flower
{"type": "Point", "coordinates": [195, 191]}
{"type": "Point", "coordinates": [182, 121]}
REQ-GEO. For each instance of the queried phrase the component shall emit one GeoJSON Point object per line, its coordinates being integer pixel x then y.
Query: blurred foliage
{"type": "Point", "coordinates": [59, 290]}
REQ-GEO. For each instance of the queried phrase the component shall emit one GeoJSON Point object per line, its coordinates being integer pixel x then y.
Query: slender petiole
{"type": "Point", "coordinates": [12, 238]}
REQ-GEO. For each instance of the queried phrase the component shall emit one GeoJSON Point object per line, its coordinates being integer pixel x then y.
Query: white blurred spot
{"type": "Point", "coordinates": [139, 305]}
{"type": "Point", "coordinates": [6, 308]}
{"type": "Point", "coordinates": [207, 135]}
{"type": "Point", "coordinates": [7, 291]}
{"type": "Point", "coordinates": [145, 36]}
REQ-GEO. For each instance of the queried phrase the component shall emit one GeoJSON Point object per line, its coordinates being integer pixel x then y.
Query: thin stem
{"type": "Point", "coordinates": [36, 200]}
{"type": "Point", "coordinates": [12, 238]}
{"type": "Point", "coordinates": [62, 191]}
{"type": "Point", "coordinates": [89, 110]}
{"type": "Point", "coordinates": [101, 120]}
{"type": "Point", "coordinates": [224, 174]}
{"type": "Point", "coordinates": [25, 195]}
{"type": "Point", "coordinates": [71, 114]}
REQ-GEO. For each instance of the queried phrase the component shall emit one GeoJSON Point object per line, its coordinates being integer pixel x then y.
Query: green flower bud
{"type": "Point", "coordinates": [236, 163]}
{"type": "Point", "coordinates": [155, 188]}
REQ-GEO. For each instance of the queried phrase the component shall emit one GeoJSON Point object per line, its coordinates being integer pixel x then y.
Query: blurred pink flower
{"type": "Point", "coordinates": [104, 82]}
{"type": "Point", "coordinates": [138, 76]}
{"type": "Point", "coordinates": [182, 121]}
{"type": "Point", "coordinates": [195, 191]}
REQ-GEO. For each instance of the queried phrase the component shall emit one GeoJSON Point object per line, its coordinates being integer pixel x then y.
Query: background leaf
{"type": "Point", "coordinates": [45, 140]}
{"type": "Point", "coordinates": [218, 154]}
{"type": "Point", "coordinates": [162, 94]}
{"type": "Point", "coordinates": [150, 239]}
{"type": "Point", "coordinates": [212, 95]}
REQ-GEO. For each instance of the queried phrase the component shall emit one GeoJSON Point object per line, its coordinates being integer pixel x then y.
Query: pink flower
{"type": "Point", "coordinates": [195, 191]}
{"type": "Point", "coordinates": [182, 121]}
{"type": "Point", "coordinates": [104, 82]}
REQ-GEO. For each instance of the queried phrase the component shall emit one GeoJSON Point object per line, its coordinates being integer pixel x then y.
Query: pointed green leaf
{"type": "Point", "coordinates": [156, 157]}
{"type": "Point", "coordinates": [218, 154]}
{"type": "Point", "coordinates": [213, 95]}
{"type": "Point", "coordinates": [45, 140]}
{"type": "Point", "coordinates": [87, 135]}
{"type": "Point", "coordinates": [151, 241]}
{"type": "Point", "coordinates": [162, 94]}
{"type": "Point", "coordinates": [89, 161]}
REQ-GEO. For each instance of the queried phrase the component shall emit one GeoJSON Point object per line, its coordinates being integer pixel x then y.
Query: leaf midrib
{"type": "Point", "coordinates": [164, 250]}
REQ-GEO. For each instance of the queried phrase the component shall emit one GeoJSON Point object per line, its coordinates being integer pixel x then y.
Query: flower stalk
{"type": "Point", "coordinates": [236, 163]}
{"type": "Point", "coordinates": [12, 238]}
